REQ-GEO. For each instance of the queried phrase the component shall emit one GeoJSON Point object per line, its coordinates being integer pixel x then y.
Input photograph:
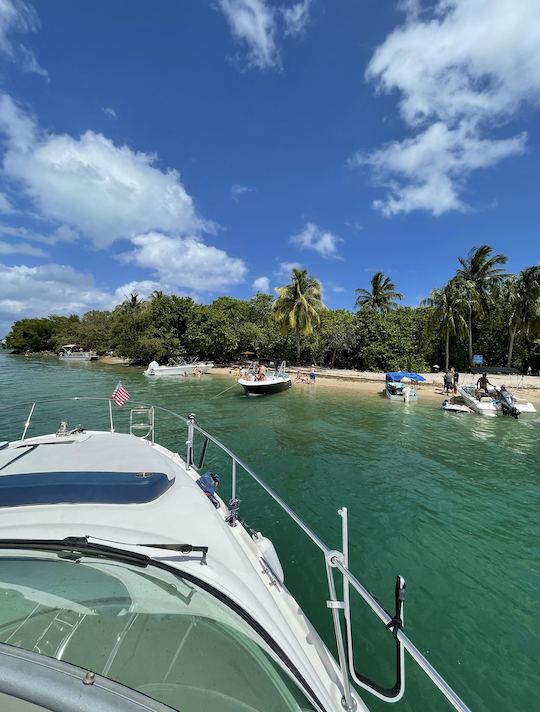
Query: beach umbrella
{"type": "Point", "coordinates": [247, 353]}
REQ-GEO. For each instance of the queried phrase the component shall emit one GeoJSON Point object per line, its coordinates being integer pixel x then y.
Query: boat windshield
{"type": "Point", "coordinates": [143, 627]}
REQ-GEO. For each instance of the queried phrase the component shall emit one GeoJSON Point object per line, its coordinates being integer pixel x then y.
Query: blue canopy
{"type": "Point", "coordinates": [399, 375]}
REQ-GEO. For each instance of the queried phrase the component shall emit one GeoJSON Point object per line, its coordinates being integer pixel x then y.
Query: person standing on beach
{"type": "Point", "coordinates": [455, 375]}
{"type": "Point", "coordinates": [448, 382]}
{"type": "Point", "coordinates": [312, 374]}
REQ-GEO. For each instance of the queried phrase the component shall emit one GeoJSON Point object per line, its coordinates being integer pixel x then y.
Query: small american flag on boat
{"type": "Point", "coordinates": [120, 395]}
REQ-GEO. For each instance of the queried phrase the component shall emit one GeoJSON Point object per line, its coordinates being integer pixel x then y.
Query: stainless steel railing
{"type": "Point", "coordinates": [333, 558]}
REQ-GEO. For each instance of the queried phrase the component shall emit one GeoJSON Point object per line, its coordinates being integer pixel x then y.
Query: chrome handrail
{"type": "Point", "coordinates": [333, 558]}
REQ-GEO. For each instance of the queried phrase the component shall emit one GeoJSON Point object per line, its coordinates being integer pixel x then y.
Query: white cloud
{"type": "Point", "coordinates": [20, 248]}
{"type": "Point", "coordinates": [186, 262]}
{"type": "Point", "coordinates": [101, 190]}
{"type": "Point", "coordinates": [313, 238]}
{"type": "Point", "coordinates": [261, 284]}
{"type": "Point", "coordinates": [238, 190]}
{"type": "Point", "coordinates": [18, 17]}
{"type": "Point", "coordinates": [296, 17]}
{"type": "Point", "coordinates": [461, 68]}
{"type": "Point", "coordinates": [6, 208]}
{"type": "Point", "coordinates": [63, 233]}
{"type": "Point", "coordinates": [338, 289]}
{"type": "Point", "coordinates": [258, 25]}
{"type": "Point", "coordinates": [428, 171]}
{"type": "Point", "coordinates": [143, 289]}
{"type": "Point", "coordinates": [253, 22]}
{"type": "Point", "coordinates": [285, 268]}
{"type": "Point", "coordinates": [109, 111]}
{"type": "Point", "coordinates": [58, 289]}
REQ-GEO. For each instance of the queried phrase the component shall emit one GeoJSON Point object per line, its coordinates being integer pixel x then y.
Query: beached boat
{"type": "Point", "coordinates": [450, 406]}
{"type": "Point", "coordinates": [273, 381]}
{"type": "Point", "coordinates": [398, 386]}
{"type": "Point", "coordinates": [74, 352]}
{"type": "Point", "coordinates": [178, 368]}
{"type": "Point", "coordinates": [125, 588]}
{"type": "Point", "coordinates": [203, 366]}
{"type": "Point", "coordinates": [495, 402]}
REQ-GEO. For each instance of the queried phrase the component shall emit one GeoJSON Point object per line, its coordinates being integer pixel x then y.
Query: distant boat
{"type": "Point", "coordinates": [398, 388]}
{"type": "Point", "coordinates": [273, 381]}
{"type": "Point", "coordinates": [74, 352]}
{"type": "Point", "coordinates": [180, 368]}
{"type": "Point", "coordinates": [495, 402]}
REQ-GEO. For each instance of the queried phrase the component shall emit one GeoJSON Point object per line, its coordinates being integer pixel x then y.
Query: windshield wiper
{"type": "Point", "coordinates": [73, 545]}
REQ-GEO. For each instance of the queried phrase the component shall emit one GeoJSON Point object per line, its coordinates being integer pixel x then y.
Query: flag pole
{"type": "Point", "coordinates": [111, 415]}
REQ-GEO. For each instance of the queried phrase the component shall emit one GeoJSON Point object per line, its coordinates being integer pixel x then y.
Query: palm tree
{"type": "Point", "coordinates": [445, 304]}
{"type": "Point", "coordinates": [521, 294]}
{"type": "Point", "coordinates": [298, 305]}
{"type": "Point", "coordinates": [478, 274]}
{"type": "Point", "coordinates": [132, 302]}
{"type": "Point", "coordinates": [382, 296]}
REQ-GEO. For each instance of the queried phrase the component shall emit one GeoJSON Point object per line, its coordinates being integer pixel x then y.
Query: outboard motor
{"type": "Point", "coordinates": [507, 404]}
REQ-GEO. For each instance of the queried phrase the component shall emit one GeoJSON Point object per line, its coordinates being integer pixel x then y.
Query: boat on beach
{"type": "Point", "coordinates": [176, 368]}
{"type": "Point", "coordinates": [398, 386]}
{"type": "Point", "coordinates": [204, 366]}
{"type": "Point", "coordinates": [127, 586]}
{"type": "Point", "coordinates": [497, 401]}
{"type": "Point", "coordinates": [452, 406]}
{"type": "Point", "coordinates": [75, 352]}
{"type": "Point", "coordinates": [272, 381]}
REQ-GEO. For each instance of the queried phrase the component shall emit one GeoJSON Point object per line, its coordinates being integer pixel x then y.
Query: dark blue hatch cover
{"type": "Point", "coordinates": [81, 488]}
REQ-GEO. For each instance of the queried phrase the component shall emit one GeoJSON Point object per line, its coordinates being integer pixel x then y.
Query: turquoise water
{"type": "Point", "coordinates": [451, 503]}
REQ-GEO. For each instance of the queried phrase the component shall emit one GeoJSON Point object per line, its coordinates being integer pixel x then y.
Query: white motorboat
{"type": "Point", "coordinates": [257, 383]}
{"type": "Point", "coordinates": [450, 406]}
{"type": "Point", "coordinates": [204, 366]}
{"type": "Point", "coordinates": [74, 352]}
{"type": "Point", "coordinates": [497, 401]}
{"type": "Point", "coordinates": [178, 368]}
{"type": "Point", "coordinates": [125, 589]}
{"type": "Point", "coordinates": [398, 386]}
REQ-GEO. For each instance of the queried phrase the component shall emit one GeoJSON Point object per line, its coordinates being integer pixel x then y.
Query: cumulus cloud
{"type": "Point", "coordinates": [185, 262]}
{"type": "Point", "coordinates": [258, 25]}
{"type": "Point", "coordinates": [63, 233]}
{"type": "Point", "coordinates": [459, 68]}
{"type": "Point", "coordinates": [17, 18]}
{"type": "Point", "coordinates": [261, 284]}
{"type": "Point", "coordinates": [296, 17]}
{"type": "Point", "coordinates": [103, 191]}
{"type": "Point", "coordinates": [142, 288]}
{"type": "Point", "coordinates": [239, 190]}
{"type": "Point", "coordinates": [313, 238]}
{"type": "Point", "coordinates": [285, 268]}
{"type": "Point", "coordinates": [64, 290]}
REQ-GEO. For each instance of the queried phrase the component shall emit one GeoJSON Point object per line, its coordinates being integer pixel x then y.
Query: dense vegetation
{"type": "Point", "coordinates": [481, 310]}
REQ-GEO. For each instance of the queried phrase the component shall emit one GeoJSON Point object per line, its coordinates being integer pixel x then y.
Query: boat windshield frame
{"type": "Point", "coordinates": [334, 560]}
{"type": "Point", "coordinates": [92, 548]}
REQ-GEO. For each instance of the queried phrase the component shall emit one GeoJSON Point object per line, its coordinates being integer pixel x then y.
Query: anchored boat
{"type": "Point", "coordinates": [177, 368]}
{"type": "Point", "coordinates": [259, 382]}
{"type": "Point", "coordinates": [498, 401]}
{"type": "Point", "coordinates": [75, 352]}
{"type": "Point", "coordinates": [128, 586]}
{"type": "Point", "coordinates": [398, 386]}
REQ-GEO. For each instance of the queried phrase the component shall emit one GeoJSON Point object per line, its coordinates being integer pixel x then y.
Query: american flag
{"type": "Point", "coordinates": [120, 395]}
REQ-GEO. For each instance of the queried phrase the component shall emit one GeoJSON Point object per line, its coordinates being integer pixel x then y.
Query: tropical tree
{"type": "Point", "coordinates": [298, 306]}
{"type": "Point", "coordinates": [521, 297]}
{"type": "Point", "coordinates": [445, 314]}
{"type": "Point", "coordinates": [381, 298]}
{"type": "Point", "coordinates": [478, 275]}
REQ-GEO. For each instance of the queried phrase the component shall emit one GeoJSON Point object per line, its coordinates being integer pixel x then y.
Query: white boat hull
{"type": "Point", "coordinates": [79, 356]}
{"type": "Point", "coordinates": [170, 371]}
{"type": "Point", "coordinates": [402, 397]}
{"type": "Point", "coordinates": [491, 407]}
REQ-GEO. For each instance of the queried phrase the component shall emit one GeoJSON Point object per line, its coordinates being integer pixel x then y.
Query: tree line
{"type": "Point", "coordinates": [481, 310]}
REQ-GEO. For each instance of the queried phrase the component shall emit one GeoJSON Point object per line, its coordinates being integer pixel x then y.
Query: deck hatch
{"type": "Point", "coordinates": [36, 488]}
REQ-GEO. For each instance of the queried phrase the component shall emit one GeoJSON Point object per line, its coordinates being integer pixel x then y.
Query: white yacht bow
{"type": "Point", "coordinates": [113, 558]}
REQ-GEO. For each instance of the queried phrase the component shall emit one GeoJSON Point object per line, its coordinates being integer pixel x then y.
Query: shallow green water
{"type": "Point", "coordinates": [451, 503]}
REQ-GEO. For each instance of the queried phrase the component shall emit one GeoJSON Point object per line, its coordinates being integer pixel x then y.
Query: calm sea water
{"type": "Point", "coordinates": [451, 503]}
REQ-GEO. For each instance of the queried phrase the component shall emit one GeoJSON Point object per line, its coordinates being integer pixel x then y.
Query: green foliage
{"type": "Point", "coordinates": [30, 335]}
{"type": "Point", "coordinates": [382, 297]}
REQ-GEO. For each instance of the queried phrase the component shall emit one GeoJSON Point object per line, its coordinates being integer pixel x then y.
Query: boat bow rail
{"type": "Point", "coordinates": [335, 561]}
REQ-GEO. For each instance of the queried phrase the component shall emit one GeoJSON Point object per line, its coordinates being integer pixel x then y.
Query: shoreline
{"type": "Point", "coordinates": [432, 388]}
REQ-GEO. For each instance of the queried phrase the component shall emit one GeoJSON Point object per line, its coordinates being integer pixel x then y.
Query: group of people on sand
{"type": "Point", "coordinates": [306, 377]}
{"type": "Point", "coordinates": [451, 380]}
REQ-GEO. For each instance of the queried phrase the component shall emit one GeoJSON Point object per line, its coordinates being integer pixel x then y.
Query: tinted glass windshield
{"type": "Point", "coordinates": [145, 628]}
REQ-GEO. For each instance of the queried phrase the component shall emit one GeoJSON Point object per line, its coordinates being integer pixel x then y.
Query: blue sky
{"type": "Point", "coordinates": [204, 147]}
